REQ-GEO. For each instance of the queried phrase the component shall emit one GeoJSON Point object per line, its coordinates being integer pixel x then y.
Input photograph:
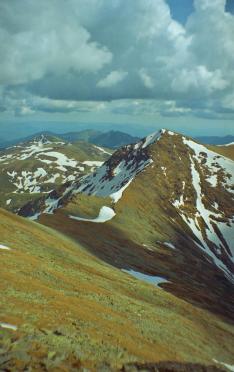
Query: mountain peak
{"type": "Point", "coordinates": [198, 194]}
{"type": "Point", "coordinates": [154, 137]}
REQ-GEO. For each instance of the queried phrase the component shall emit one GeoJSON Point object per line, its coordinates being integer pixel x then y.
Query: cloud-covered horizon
{"type": "Point", "coordinates": [116, 56]}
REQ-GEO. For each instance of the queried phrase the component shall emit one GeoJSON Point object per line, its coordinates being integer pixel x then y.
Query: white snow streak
{"type": "Point", "coordinates": [105, 214]}
{"type": "Point", "coordinates": [8, 326]}
{"type": "Point", "coordinates": [4, 247]}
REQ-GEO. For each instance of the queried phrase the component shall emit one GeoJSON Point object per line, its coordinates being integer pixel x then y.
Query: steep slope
{"type": "Point", "coordinates": [174, 220]}
{"type": "Point", "coordinates": [73, 313]}
{"type": "Point", "coordinates": [41, 165]}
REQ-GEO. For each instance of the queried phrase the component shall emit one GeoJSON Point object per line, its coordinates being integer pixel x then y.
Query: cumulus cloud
{"type": "Point", "coordinates": [40, 39]}
{"type": "Point", "coordinates": [74, 51]}
{"type": "Point", "coordinates": [113, 78]}
{"type": "Point", "coordinates": [146, 79]}
{"type": "Point", "coordinates": [199, 78]}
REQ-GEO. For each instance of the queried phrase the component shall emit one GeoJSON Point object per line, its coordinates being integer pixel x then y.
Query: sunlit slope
{"type": "Point", "coordinates": [70, 308]}
{"type": "Point", "coordinates": [168, 221]}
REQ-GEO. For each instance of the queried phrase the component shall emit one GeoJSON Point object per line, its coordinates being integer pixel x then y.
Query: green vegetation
{"type": "Point", "coordinates": [72, 308]}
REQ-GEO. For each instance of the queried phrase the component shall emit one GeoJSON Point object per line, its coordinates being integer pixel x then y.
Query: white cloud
{"type": "Point", "coordinates": [199, 78]}
{"type": "Point", "coordinates": [146, 79]}
{"type": "Point", "coordinates": [45, 41]}
{"type": "Point", "coordinates": [99, 50]}
{"type": "Point", "coordinates": [113, 78]}
{"type": "Point", "coordinates": [207, 4]}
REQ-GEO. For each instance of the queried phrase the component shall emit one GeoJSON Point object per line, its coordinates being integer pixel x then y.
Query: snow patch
{"type": "Point", "coordinates": [152, 279]}
{"type": "Point", "coordinates": [230, 367]}
{"type": "Point", "coordinates": [169, 245]}
{"type": "Point", "coordinates": [102, 150]}
{"type": "Point", "coordinates": [105, 214]}
{"type": "Point", "coordinates": [8, 326]}
{"type": "Point", "coordinates": [4, 247]}
{"type": "Point", "coordinates": [92, 163]}
{"type": "Point", "coordinates": [116, 196]}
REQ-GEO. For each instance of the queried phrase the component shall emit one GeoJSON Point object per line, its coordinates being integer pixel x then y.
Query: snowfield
{"type": "Point", "coordinates": [105, 214]}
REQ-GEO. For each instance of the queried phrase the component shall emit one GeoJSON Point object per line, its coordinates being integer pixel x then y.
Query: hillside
{"type": "Point", "coordinates": [31, 169]}
{"type": "Point", "coordinates": [158, 222]}
{"type": "Point", "coordinates": [73, 313]}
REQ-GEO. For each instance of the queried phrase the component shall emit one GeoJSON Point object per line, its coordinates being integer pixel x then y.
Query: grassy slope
{"type": "Point", "coordinates": [144, 218]}
{"type": "Point", "coordinates": [74, 306]}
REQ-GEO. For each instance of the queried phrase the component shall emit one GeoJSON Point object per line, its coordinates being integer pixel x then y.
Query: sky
{"type": "Point", "coordinates": [132, 65]}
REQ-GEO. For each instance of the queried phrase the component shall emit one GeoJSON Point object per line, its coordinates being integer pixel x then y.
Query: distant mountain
{"type": "Point", "coordinates": [41, 164]}
{"type": "Point", "coordinates": [163, 209]}
{"type": "Point", "coordinates": [5, 144]}
{"type": "Point", "coordinates": [112, 139]}
{"type": "Point", "coordinates": [215, 140]}
{"type": "Point", "coordinates": [84, 135]}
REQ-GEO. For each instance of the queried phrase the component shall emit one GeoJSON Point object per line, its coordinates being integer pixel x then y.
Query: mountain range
{"type": "Point", "coordinates": [148, 232]}
{"type": "Point", "coordinates": [111, 139]}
